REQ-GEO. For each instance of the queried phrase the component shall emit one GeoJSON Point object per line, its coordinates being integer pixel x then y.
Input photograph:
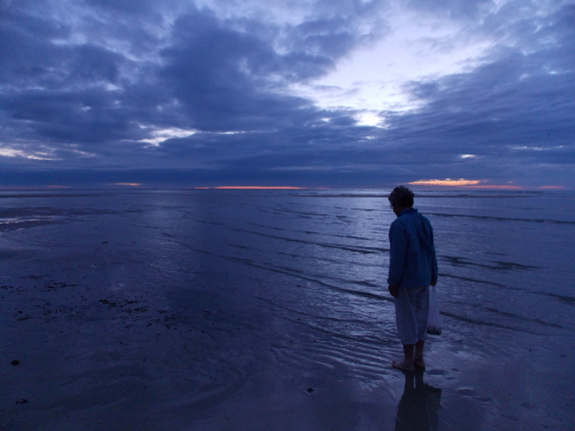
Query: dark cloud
{"type": "Point", "coordinates": [222, 77]}
{"type": "Point", "coordinates": [25, 51]}
{"type": "Point", "coordinates": [89, 86]}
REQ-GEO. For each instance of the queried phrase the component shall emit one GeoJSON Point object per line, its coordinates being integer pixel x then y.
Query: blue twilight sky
{"type": "Point", "coordinates": [287, 92]}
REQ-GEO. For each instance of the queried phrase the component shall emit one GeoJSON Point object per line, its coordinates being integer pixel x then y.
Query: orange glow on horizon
{"type": "Point", "coordinates": [258, 188]}
{"type": "Point", "coordinates": [467, 184]}
{"type": "Point", "coordinates": [552, 187]}
{"type": "Point", "coordinates": [446, 182]}
{"type": "Point", "coordinates": [127, 184]}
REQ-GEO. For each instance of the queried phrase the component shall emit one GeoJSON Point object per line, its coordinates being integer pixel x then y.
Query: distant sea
{"type": "Point", "coordinates": [297, 278]}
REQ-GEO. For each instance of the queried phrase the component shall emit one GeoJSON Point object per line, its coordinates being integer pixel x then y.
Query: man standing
{"type": "Point", "coordinates": [412, 268]}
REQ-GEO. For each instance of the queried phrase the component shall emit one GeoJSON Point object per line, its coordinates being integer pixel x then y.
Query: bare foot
{"type": "Point", "coordinates": [404, 366]}
{"type": "Point", "coordinates": [419, 363]}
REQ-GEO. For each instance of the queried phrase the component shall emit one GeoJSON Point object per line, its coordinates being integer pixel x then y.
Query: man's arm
{"type": "Point", "coordinates": [397, 255]}
{"type": "Point", "coordinates": [434, 268]}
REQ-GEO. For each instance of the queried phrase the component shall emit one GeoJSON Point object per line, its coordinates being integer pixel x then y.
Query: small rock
{"type": "Point", "coordinates": [15, 362]}
{"type": "Point", "coordinates": [309, 390]}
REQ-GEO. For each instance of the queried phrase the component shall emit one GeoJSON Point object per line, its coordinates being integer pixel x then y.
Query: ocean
{"type": "Point", "coordinates": [268, 309]}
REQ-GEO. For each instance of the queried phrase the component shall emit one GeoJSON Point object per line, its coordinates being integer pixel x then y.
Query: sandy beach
{"type": "Point", "coordinates": [156, 315]}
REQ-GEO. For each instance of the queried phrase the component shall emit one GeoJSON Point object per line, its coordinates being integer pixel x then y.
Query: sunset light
{"type": "Point", "coordinates": [469, 184]}
{"type": "Point", "coordinates": [445, 182]}
{"type": "Point", "coordinates": [258, 188]}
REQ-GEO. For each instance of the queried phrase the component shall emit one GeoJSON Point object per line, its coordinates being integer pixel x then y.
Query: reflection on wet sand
{"type": "Point", "coordinates": [419, 405]}
{"type": "Point", "coordinates": [213, 310]}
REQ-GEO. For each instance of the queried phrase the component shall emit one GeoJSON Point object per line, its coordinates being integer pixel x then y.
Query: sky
{"type": "Point", "coordinates": [302, 93]}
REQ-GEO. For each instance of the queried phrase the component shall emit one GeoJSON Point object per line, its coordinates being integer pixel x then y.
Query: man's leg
{"type": "Point", "coordinates": [405, 304]}
{"type": "Point", "coordinates": [418, 359]}
{"type": "Point", "coordinates": [411, 359]}
{"type": "Point", "coordinates": [407, 363]}
{"type": "Point", "coordinates": [421, 312]}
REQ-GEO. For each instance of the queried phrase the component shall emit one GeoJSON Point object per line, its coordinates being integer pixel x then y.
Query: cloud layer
{"type": "Point", "coordinates": [202, 94]}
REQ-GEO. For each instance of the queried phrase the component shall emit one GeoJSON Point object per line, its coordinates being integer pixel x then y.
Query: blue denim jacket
{"type": "Point", "coordinates": [412, 261]}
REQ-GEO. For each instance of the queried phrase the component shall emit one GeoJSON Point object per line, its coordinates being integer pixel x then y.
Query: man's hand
{"type": "Point", "coordinates": [393, 290]}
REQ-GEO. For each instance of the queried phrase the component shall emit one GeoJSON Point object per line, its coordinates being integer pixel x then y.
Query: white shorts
{"type": "Point", "coordinates": [411, 311]}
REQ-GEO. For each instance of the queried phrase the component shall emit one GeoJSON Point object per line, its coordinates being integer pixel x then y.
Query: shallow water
{"type": "Point", "coordinates": [270, 306]}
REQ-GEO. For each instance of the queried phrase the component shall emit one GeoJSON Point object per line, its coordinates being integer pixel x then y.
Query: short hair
{"type": "Point", "coordinates": [401, 197]}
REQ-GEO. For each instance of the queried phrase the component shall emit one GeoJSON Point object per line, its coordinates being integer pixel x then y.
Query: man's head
{"type": "Point", "coordinates": [400, 199]}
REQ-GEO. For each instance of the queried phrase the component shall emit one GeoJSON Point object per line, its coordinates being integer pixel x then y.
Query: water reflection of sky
{"type": "Point", "coordinates": [316, 264]}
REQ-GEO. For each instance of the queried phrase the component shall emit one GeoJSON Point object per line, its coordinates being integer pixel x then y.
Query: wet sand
{"type": "Point", "coordinates": [100, 330]}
